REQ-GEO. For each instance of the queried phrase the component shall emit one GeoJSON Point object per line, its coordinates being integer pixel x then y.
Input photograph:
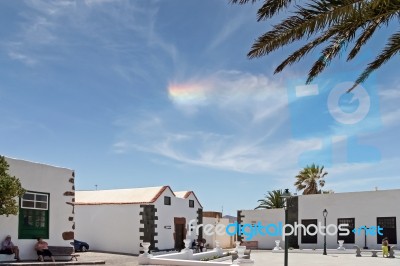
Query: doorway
{"type": "Point", "coordinates": [389, 229]}
{"type": "Point", "coordinates": [180, 232]}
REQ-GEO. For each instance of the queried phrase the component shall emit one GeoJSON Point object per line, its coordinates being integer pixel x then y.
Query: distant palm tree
{"type": "Point", "coordinates": [336, 25]}
{"type": "Point", "coordinates": [310, 179]}
{"type": "Point", "coordinates": [272, 200]}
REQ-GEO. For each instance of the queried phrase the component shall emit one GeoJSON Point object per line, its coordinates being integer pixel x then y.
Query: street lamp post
{"type": "Point", "coordinates": [365, 237]}
{"type": "Point", "coordinates": [286, 196]}
{"type": "Point", "coordinates": [325, 213]}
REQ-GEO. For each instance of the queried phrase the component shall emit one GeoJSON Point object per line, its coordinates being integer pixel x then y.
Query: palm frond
{"type": "Point", "coordinates": [390, 50]}
{"type": "Point", "coordinates": [306, 22]}
{"type": "Point", "coordinates": [272, 200]}
{"type": "Point", "coordinates": [272, 7]}
{"type": "Point", "coordinates": [242, 2]}
{"type": "Point", "coordinates": [339, 23]}
{"type": "Point", "coordinates": [309, 178]}
{"type": "Point", "coordinates": [363, 38]}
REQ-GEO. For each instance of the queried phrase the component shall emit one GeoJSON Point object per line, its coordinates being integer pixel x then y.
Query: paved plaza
{"type": "Point", "coordinates": [266, 258]}
{"type": "Point", "coordinates": [262, 258]}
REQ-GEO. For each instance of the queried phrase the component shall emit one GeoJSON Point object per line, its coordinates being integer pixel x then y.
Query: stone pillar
{"type": "Point", "coordinates": [218, 249]}
{"type": "Point", "coordinates": [187, 250]}
{"type": "Point", "coordinates": [240, 260]}
{"type": "Point", "coordinates": [277, 247]}
{"type": "Point", "coordinates": [341, 242]}
{"type": "Point", "coordinates": [144, 259]}
{"type": "Point", "coordinates": [237, 243]}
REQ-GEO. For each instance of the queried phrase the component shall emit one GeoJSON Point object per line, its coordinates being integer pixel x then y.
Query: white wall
{"type": "Point", "coordinates": [365, 207]}
{"type": "Point", "coordinates": [179, 208]}
{"type": "Point", "coordinates": [265, 216]}
{"type": "Point", "coordinates": [41, 178]}
{"type": "Point", "coordinates": [225, 241]}
{"type": "Point", "coordinates": [113, 228]}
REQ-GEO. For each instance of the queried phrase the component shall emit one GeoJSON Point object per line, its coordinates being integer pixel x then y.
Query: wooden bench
{"type": "Point", "coordinates": [374, 251]}
{"type": "Point", "coordinates": [59, 251]}
{"type": "Point", "coordinates": [250, 244]}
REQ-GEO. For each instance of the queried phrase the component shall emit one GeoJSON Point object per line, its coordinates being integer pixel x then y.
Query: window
{"type": "Point", "coordinates": [167, 200]}
{"type": "Point", "coordinates": [389, 229]}
{"type": "Point", "coordinates": [191, 203]}
{"type": "Point", "coordinates": [349, 239]}
{"type": "Point", "coordinates": [309, 238]}
{"type": "Point", "coordinates": [34, 215]}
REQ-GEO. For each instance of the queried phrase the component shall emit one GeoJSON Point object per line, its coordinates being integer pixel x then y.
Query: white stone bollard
{"type": "Point", "coordinates": [240, 260]}
{"type": "Point", "coordinates": [187, 250]}
{"type": "Point", "coordinates": [277, 247]}
{"type": "Point", "coordinates": [187, 243]}
{"type": "Point", "coordinates": [237, 243]}
{"type": "Point", "coordinates": [341, 242]}
{"type": "Point", "coordinates": [217, 248]}
{"type": "Point", "coordinates": [240, 251]}
{"type": "Point", "coordinates": [144, 259]}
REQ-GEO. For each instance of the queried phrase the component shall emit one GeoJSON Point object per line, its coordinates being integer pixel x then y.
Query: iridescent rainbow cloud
{"type": "Point", "coordinates": [187, 94]}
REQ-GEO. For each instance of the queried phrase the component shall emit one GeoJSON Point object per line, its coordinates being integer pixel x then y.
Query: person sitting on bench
{"type": "Point", "coordinates": [7, 247]}
{"type": "Point", "coordinates": [42, 249]}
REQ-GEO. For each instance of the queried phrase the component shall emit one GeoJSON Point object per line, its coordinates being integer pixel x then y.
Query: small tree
{"type": "Point", "coordinates": [10, 188]}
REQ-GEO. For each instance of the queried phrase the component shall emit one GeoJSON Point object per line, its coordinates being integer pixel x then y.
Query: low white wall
{"type": "Point", "coordinates": [156, 261]}
{"type": "Point", "coordinates": [187, 259]}
{"type": "Point", "coordinates": [48, 179]}
{"type": "Point", "coordinates": [203, 255]}
{"type": "Point", "coordinates": [113, 228]}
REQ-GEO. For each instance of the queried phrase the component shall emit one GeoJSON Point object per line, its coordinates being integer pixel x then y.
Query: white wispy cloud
{"type": "Point", "coordinates": [231, 90]}
{"type": "Point", "coordinates": [389, 98]}
{"type": "Point", "coordinates": [390, 94]}
{"type": "Point", "coordinates": [27, 60]}
{"type": "Point", "coordinates": [227, 152]}
{"type": "Point", "coordinates": [254, 111]}
{"type": "Point", "coordinates": [365, 176]}
{"type": "Point", "coordinates": [68, 25]}
{"type": "Point", "coordinates": [227, 30]}
{"type": "Point", "coordinates": [253, 106]}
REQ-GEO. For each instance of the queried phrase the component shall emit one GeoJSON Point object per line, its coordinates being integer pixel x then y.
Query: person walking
{"type": "Point", "coordinates": [385, 247]}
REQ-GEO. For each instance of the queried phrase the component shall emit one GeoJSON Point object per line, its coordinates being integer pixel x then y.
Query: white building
{"type": "Point", "coordinates": [120, 220]}
{"type": "Point", "coordinates": [212, 219]}
{"type": "Point", "coordinates": [46, 210]}
{"type": "Point", "coordinates": [265, 216]}
{"type": "Point", "coordinates": [358, 209]}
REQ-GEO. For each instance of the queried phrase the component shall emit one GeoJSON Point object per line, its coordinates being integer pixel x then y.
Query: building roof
{"type": "Point", "coordinates": [37, 163]}
{"type": "Point", "coordinates": [186, 194]}
{"type": "Point", "coordinates": [183, 194]}
{"type": "Point", "coordinates": [212, 214]}
{"type": "Point", "coordinates": [120, 196]}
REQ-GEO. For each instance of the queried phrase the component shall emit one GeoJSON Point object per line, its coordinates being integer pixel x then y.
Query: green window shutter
{"type": "Point", "coordinates": [34, 216]}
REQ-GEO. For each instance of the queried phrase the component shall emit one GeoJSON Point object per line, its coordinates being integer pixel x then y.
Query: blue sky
{"type": "Point", "coordinates": [150, 93]}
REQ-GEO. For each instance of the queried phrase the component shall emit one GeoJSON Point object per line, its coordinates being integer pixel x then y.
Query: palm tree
{"type": "Point", "coordinates": [272, 200]}
{"type": "Point", "coordinates": [335, 24]}
{"type": "Point", "coordinates": [311, 179]}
